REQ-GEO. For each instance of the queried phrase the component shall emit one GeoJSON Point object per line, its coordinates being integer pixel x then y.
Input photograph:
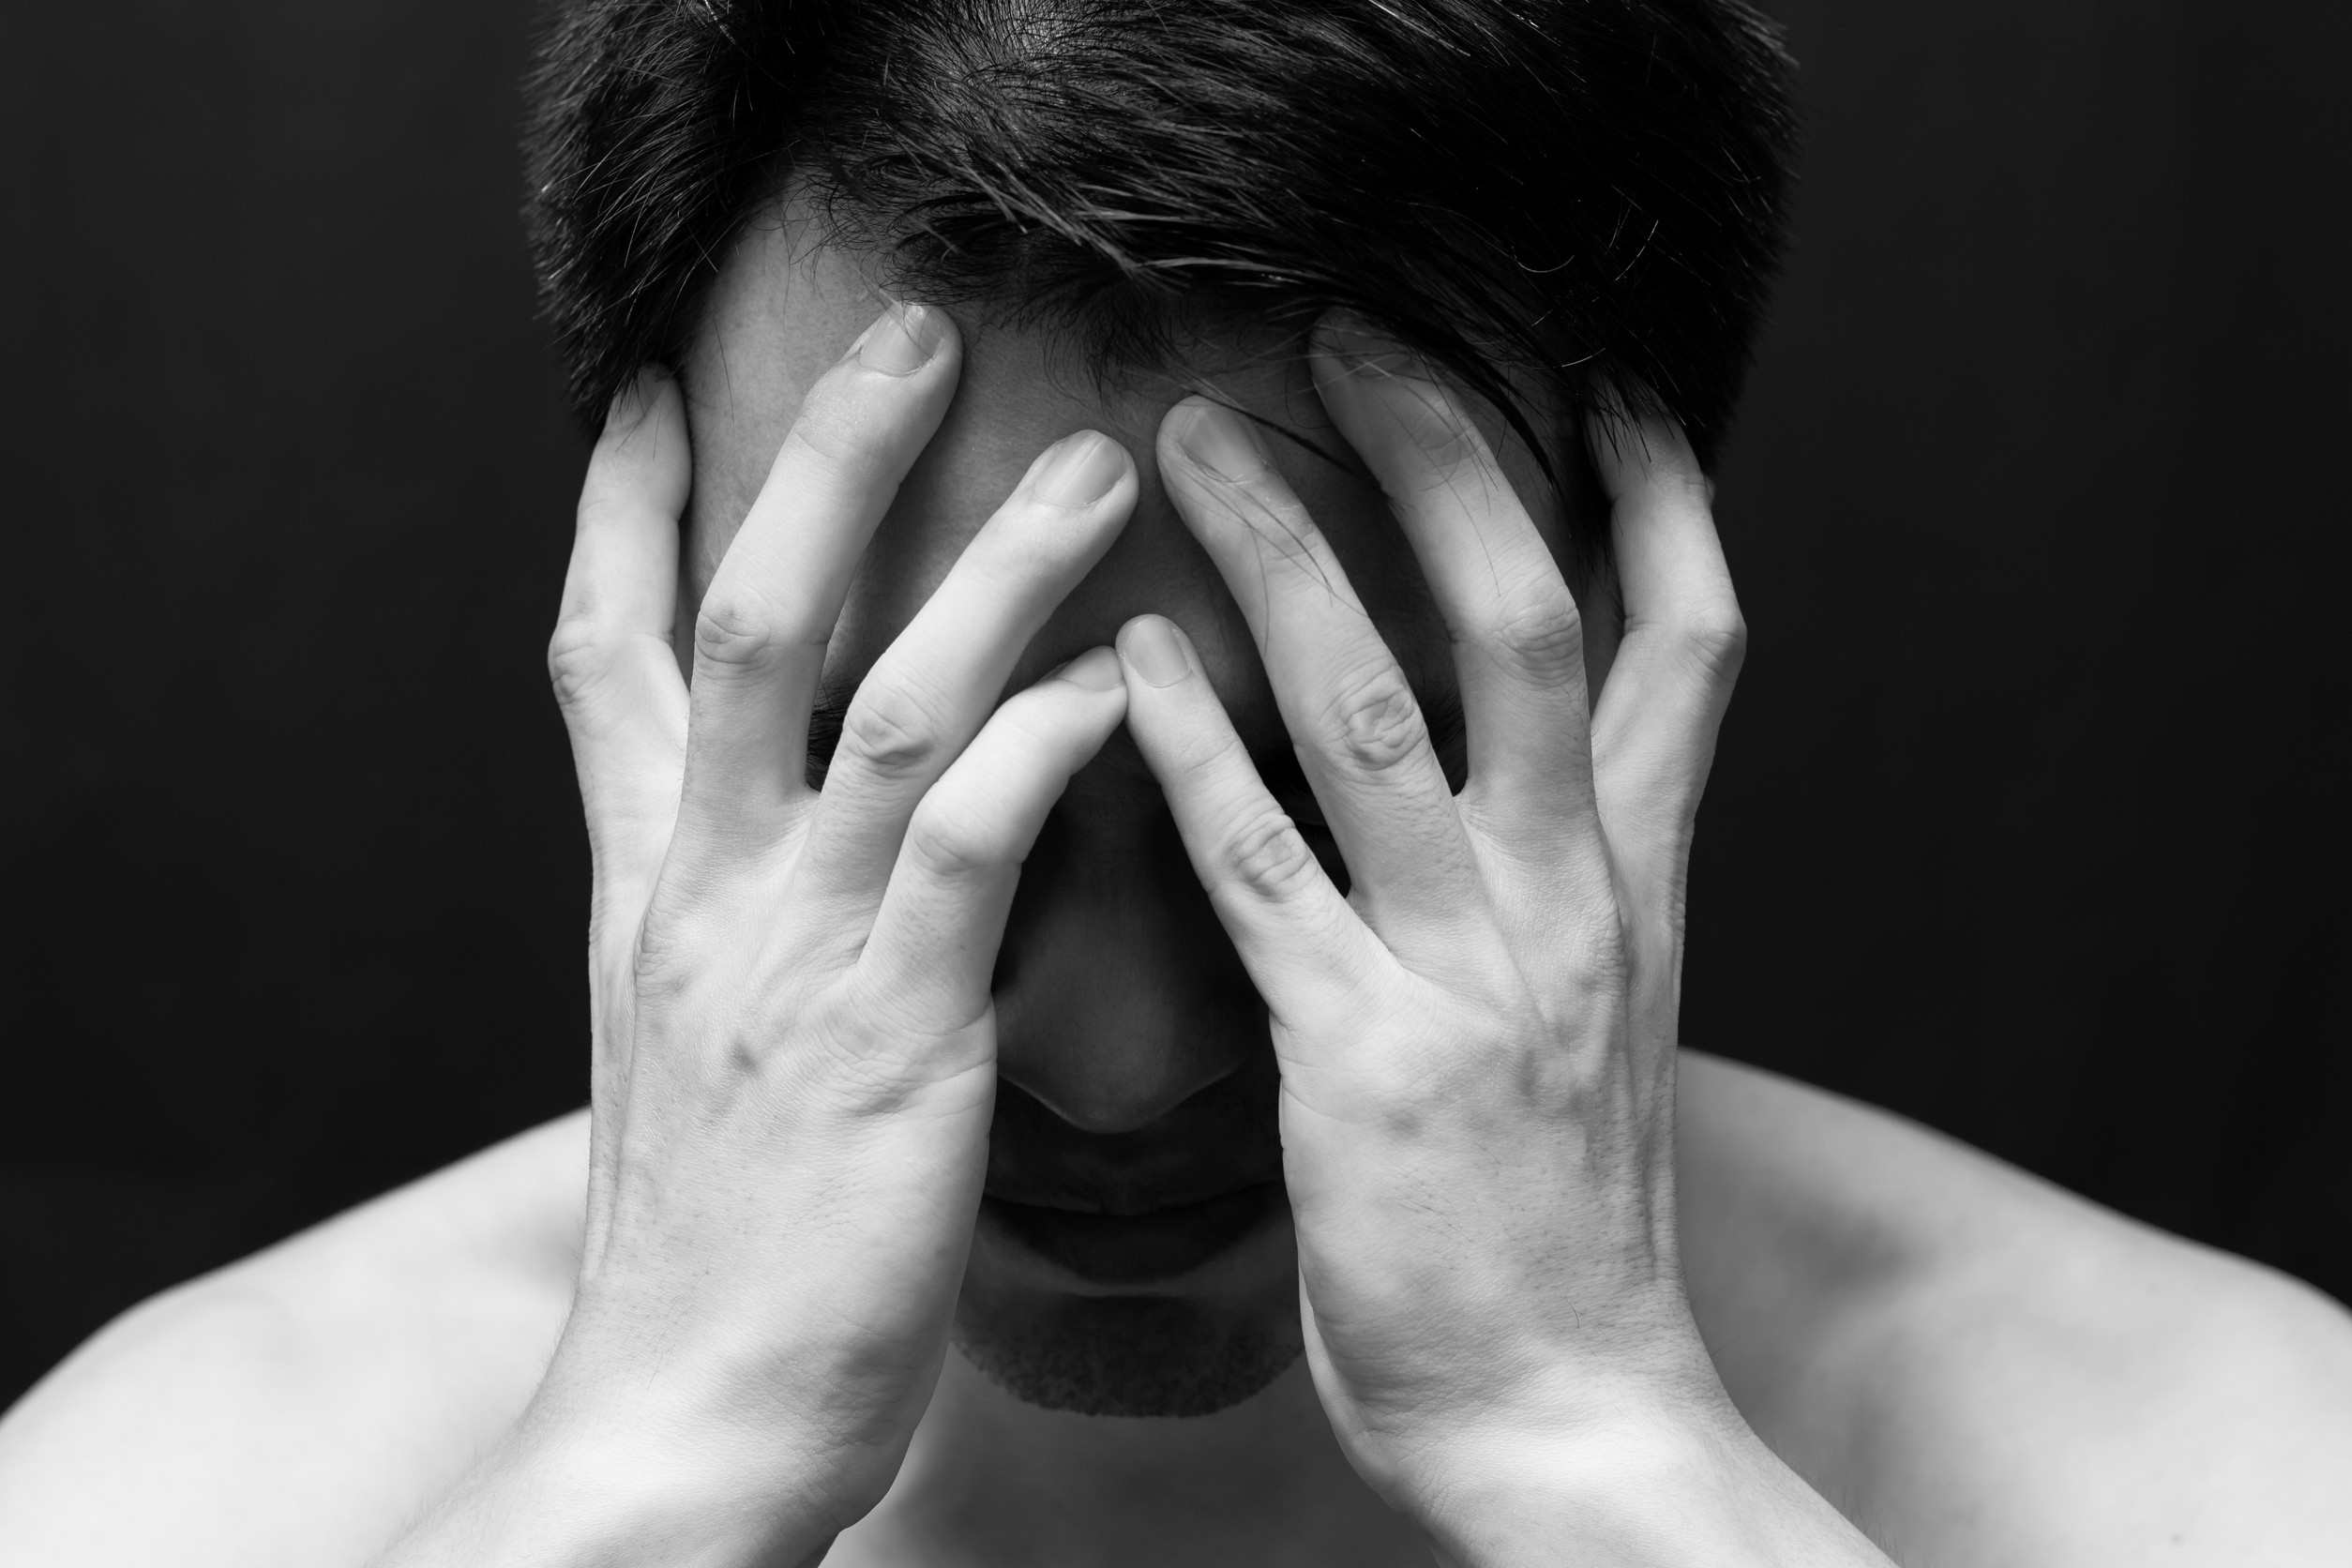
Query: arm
{"type": "Point", "coordinates": [1985, 1369]}
{"type": "Point", "coordinates": [291, 1409]}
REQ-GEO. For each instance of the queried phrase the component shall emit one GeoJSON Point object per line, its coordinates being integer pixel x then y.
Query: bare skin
{"type": "Point", "coordinates": [1555, 1305]}
{"type": "Point", "coordinates": [1986, 1371]}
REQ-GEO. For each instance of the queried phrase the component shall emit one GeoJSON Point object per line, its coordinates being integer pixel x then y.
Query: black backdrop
{"type": "Point", "coordinates": [2022, 821]}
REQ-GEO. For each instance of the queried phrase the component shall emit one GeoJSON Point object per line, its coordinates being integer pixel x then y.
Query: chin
{"type": "Point", "coordinates": [1179, 1313]}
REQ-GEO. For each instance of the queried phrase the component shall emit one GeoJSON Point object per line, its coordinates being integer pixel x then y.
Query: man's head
{"type": "Point", "coordinates": [1123, 203]}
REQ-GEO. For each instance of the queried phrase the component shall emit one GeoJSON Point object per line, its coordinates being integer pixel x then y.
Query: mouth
{"type": "Point", "coordinates": [1141, 1248]}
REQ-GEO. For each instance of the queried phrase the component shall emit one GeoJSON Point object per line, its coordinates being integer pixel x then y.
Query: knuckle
{"type": "Point", "coordinates": [1543, 636]}
{"type": "Point", "coordinates": [1283, 534]}
{"type": "Point", "coordinates": [1714, 640]}
{"type": "Point", "coordinates": [819, 439]}
{"type": "Point", "coordinates": [1445, 440]}
{"type": "Point", "coordinates": [1028, 719]}
{"type": "Point", "coordinates": [1201, 773]}
{"type": "Point", "coordinates": [950, 843]}
{"type": "Point", "coordinates": [737, 629]}
{"type": "Point", "coordinates": [890, 732]}
{"type": "Point", "coordinates": [577, 661]}
{"type": "Point", "coordinates": [886, 1060]}
{"type": "Point", "coordinates": [1267, 855]}
{"type": "Point", "coordinates": [1378, 722]}
{"type": "Point", "coordinates": [1451, 449]}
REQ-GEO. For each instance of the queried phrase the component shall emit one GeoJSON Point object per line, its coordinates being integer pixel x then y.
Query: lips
{"type": "Point", "coordinates": [1134, 1248]}
{"type": "Point", "coordinates": [1140, 1204]}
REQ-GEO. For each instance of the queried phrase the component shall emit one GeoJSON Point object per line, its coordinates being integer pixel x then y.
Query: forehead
{"type": "Point", "coordinates": [785, 307]}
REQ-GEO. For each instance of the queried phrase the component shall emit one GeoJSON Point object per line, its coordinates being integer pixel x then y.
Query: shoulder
{"type": "Point", "coordinates": [1993, 1369]}
{"type": "Point", "coordinates": [307, 1397]}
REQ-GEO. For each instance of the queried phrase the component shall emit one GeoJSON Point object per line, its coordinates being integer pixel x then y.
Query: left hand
{"type": "Point", "coordinates": [1477, 1041]}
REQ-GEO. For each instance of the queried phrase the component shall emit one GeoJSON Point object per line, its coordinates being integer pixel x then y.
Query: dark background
{"type": "Point", "coordinates": [2023, 824]}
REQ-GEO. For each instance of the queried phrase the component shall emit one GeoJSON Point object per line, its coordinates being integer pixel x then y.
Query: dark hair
{"type": "Point", "coordinates": [1575, 188]}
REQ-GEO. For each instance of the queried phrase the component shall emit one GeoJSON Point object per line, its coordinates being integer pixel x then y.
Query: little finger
{"type": "Point", "coordinates": [614, 672]}
{"type": "Point", "coordinates": [1656, 725]}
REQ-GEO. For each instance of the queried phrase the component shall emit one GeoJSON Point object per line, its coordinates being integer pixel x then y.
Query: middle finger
{"type": "Point", "coordinates": [1517, 637]}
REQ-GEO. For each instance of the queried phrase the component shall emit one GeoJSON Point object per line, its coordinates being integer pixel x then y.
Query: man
{"type": "Point", "coordinates": [1250, 1044]}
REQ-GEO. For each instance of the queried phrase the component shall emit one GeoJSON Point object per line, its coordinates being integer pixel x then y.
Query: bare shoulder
{"type": "Point", "coordinates": [1985, 1369]}
{"type": "Point", "coordinates": [292, 1407]}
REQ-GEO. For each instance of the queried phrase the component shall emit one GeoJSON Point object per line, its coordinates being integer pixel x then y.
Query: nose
{"type": "Point", "coordinates": [1118, 995]}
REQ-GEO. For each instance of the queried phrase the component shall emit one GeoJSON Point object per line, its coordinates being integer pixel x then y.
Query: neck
{"type": "Point", "coordinates": [1261, 1481]}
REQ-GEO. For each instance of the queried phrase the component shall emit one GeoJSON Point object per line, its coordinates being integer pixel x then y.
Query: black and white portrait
{"type": "Point", "coordinates": [1115, 783]}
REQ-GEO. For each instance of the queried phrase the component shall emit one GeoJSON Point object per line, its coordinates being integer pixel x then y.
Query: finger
{"type": "Point", "coordinates": [1309, 954]}
{"type": "Point", "coordinates": [1351, 714]}
{"type": "Point", "coordinates": [934, 941]}
{"type": "Point", "coordinates": [1656, 725]}
{"type": "Point", "coordinates": [1518, 641]}
{"type": "Point", "coordinates": [615, 670]}
{"type": "Point", "coordinates": [937, 683]}
{"type": "Point", "coordinates": [759, 638]}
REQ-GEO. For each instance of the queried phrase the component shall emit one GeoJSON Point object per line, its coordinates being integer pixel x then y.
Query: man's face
{"type": "Point", "coordinates": [1133, 1254]}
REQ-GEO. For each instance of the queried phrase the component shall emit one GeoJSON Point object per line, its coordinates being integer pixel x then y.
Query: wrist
{"type": "Point", "coordinates": [759, 1419]}
{"type": "Point", "coordinates": [576, 1486]}
{"type": "Point", "coordinates": [1651, 1477]}
{"type": "Point", "coordinates": [1646, 1393]}
{"type": "Point", "coordinates": [1618, 1493]}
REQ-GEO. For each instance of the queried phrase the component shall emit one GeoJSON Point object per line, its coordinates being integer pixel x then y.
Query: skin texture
{"type": "Point", "coordinates": [1122, 1006]}
{"type": "Point", "coordinates": [1977, 1368]}
{"type": "Point", "coordinates": [797, 992]}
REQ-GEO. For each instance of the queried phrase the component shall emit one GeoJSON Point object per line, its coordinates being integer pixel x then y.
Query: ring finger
{"type": "Point", "coordinates": [760, 637]}
{"type": "Point", "coordinates": [1517, 637]}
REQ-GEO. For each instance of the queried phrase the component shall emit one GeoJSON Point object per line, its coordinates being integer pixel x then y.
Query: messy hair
{"type": "Point", "coordinates": [1588, 191]}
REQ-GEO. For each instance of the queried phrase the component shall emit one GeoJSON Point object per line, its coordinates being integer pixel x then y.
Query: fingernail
{"type": "Point", "coordinates": [1354, 344]}
{"type": "Point", "coordinates": [1153, 651]}
{"type": "Point", "coordinates": [1349, 339]}
{"type": "Point", "coordinates": [1096, 669]}
{"type": "Point", "coordinates": [903, 342]}
{"type": "Point", "coordinates": [1081, 468]}
{"type": "Point", "coordinates": [1220, 441]}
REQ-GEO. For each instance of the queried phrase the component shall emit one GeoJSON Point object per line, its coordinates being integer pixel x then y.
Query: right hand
{"type": "Point", "coordinates": [796, 1047]}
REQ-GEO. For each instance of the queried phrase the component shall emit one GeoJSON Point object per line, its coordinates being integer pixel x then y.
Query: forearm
{"type": "Point", "coordinates": [564, 1491]}
{"type": "Point", "coordinates": [1648, 1492]}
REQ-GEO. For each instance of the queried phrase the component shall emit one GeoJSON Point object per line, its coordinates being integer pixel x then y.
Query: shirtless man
{"type": "Point", "coordinates": [1299, 1167]}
